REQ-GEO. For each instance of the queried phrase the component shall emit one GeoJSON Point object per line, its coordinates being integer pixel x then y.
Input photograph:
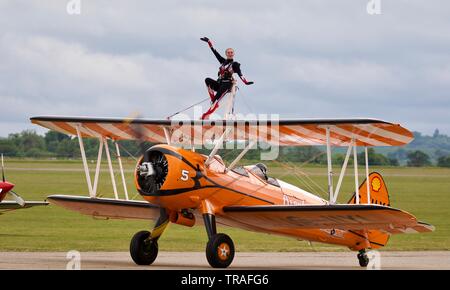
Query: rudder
{"type": "Point", "coordinates": [378, 191]}
{"type": "Point", "coordinates": [378, 195]}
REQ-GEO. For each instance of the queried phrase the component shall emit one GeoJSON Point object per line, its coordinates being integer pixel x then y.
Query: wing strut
{"type": "Point", "coordinates": [330, 169]}
{"type": "Point", "coordinates": [219, 144]}
{"type": "Point", "coordinates": [341, 176]}
{"type": "Point", "coordinates": [111, 172]}
{"type": "Point", "coordinates": [103, 143]}
{"type": "Point", "coordinates": [366, 153]}
{"type": "Point", "coordinates": [355, 162]}
{"type": "Point", "coordinates": [119, 159]}
{"type": "Point", "coordinates": [83, 157]}
{"type": "Point", "coordinates": [239, 157]}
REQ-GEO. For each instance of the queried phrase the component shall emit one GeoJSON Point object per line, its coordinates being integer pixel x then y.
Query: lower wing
{"type": "Point", "coordinates": [344, 217]}
{"type": "Point", "coordinates": [106, 207]}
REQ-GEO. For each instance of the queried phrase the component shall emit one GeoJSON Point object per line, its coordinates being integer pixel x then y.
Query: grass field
{"type": "Point", "coordinates": [425, 192]}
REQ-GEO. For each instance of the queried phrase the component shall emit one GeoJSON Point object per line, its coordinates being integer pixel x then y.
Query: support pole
{"type": "Point", "coordinates": [367, 176]}
{"type": "Point", "coordinates": [230, 110]}
{"type": "Point", "coordinates": [355, 161]}
{"type": "Point", "coordinates": [330, 169]}
{"type": "Point", "coordinates": [119, 158]}
{"type": "Point", "coordinates": [85, 165]}
{"type": "Point", "coordinates": [108, 156]}
{"type": "Point", "coordinates": [341, 176]}
{"type": "Point", "coordinates": [99, 161]}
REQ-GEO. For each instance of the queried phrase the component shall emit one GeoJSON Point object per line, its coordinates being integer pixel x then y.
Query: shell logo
{"type": "Point", "coordinates": [376, 184]}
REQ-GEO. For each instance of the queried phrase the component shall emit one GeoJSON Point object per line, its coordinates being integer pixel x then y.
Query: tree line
{"type": "Point", "coordinates": [29, 144]}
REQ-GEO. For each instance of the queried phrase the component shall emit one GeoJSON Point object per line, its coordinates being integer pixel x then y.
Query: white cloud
{"type": "Point", "coordinates": [315, 58]}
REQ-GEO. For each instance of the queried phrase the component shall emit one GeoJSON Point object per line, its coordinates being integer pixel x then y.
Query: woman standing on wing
{"type": "Point", "coordinates": [218, 88]}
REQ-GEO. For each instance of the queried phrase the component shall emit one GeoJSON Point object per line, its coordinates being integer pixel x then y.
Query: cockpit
{"type": "Point", "coordinates": [260, 170]}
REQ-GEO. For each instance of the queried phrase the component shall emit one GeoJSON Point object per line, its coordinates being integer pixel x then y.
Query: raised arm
{"type": "Point", "coordinates": [220, 58]}
{"type": "Point", "coordinates": [237, 69]}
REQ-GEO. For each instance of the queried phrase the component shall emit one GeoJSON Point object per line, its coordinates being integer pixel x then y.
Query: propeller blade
{"type": "Point", "coordinates": [139, 133]}
{"type": "Point", "coordinates": [17, 198]}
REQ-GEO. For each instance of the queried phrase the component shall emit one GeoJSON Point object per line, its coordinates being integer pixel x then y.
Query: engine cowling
{"type": "Point", "coordinates": [172, 177]}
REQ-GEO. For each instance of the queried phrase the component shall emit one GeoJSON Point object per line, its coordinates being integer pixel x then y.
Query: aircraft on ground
{"type": "Point", "coordinates": [185, 187]}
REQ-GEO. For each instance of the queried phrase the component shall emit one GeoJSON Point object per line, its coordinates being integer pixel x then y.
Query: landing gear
{"type": "Point", "coordinates": [143, 248]}
{"type": "Point", "coordinates": [363, 258]}
{"type": "Point", "coordinates": [144, 245]}
{"type": "Point", "coordinates": [220, 247]}
{"type": "Point", "coordinates": [220, 251]}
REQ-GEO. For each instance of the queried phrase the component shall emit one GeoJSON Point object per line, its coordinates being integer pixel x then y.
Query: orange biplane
{"type": "Point", "coordinates": [185, 187]}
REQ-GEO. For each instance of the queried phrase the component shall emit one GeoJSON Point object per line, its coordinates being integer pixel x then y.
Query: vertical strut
{"type": "Point", "coordinates": [355, 161]}
{"type": "Point", "coordinates": [97, 169]}
{"type": "Point", "coordinates": [119, 159]}
{"type": "Point", "coordinates": [229, 114]}
{"type": "Point", "coordinates": [367, 175]}
{"type": "Point", "coordinates": [108, 156]}
{"type": "Point", "coordinates": [85, 165]}
{"type": "Point", "coordinates": [330, 169]}
{"type": "Point", "coordinates": [341, 176]}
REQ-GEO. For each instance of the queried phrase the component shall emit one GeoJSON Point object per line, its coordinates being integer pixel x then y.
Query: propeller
{"type": "Point", "coordinates": [139, 133]}
{"type": "Point", "coordinates": [153, 168]}
{"type": "Point", "coordinates": [14, 195]}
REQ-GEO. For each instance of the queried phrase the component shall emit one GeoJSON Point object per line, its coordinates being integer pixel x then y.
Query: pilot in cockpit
{"type": "Point", "coordinates": [260, 170]}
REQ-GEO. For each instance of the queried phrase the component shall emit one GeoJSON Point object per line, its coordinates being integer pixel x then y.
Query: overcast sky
{"type": "Point", "coordinates": [308, 59]}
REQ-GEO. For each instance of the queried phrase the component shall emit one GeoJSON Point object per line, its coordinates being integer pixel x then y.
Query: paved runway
{"type": "Point", "coordinates": [197, 260]}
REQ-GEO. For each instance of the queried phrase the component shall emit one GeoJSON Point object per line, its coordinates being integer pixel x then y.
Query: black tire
{"type": "Point", "coordinates": [220, 251]}
{"type": "Point", "coordinates": [143, 251]}
{"type": "Point", "coordinates": [363, 259]}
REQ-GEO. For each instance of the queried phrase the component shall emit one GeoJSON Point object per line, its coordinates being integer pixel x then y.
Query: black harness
{"type": "Point", "coordinates": [226, 71]}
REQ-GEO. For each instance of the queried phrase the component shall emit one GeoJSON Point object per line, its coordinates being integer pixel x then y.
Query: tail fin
{"type": "Point", "coordinates": [378, 195]}
{"type": "Point", "coordinates": [378, 191]}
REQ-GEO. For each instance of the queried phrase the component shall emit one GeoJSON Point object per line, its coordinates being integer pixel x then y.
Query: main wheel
{"type": "Point", "coordinates": [363, 259]}
{"type": "Point", "coordinates": [143, 249]}
{"type": "Point", "coordinates": [220, 251]}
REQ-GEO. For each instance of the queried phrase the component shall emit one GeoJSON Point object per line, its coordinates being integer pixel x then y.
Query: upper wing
{"type": "Point", "coordinates": [302, 132]}
{"type": "Point", "coordinates": [10, 205]}
{"type": "Point", "coordinates": [344, 217]}
{"type": "Point", "coordinates": [108, 208]}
